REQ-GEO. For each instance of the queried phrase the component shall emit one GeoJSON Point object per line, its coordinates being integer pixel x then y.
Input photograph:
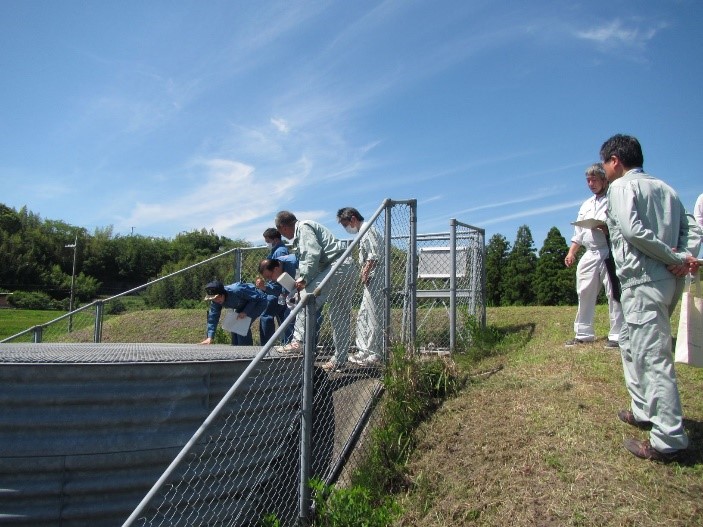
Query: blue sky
{"type": "Point", "coordinates": [160, 117]}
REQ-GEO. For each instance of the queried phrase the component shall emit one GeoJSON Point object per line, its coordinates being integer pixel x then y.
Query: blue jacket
{"type": "Point", "coordinates": [242, 297]}
{"type": "Point", "coordinates": [289, 262]}
{"type": "Point", "coordinates": [277, 251]}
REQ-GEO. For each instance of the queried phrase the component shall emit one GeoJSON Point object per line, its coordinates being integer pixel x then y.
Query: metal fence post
{"type": "Point", "coordinates": [388, 286]}
{"type": "Point", "coordinates": [238, 265]}
{"type": "Point", "coordinates": [306, 410]}
{"type": "Point", "coordinates": [98, 328]}
{"type": "Point", "coordinates": [36, 334]}
{"type": "Point", "coordinates": [452, 284]}
{"type": "Point", "coordinates": [412, 257]}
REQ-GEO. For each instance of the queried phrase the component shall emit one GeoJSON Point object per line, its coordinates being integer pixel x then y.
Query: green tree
{"type": "Point", "coordinates": [496, 259]}
{"type": "Point", "coordinates": [517, 286]}
{"type": "Point", "coordinates": [554, 282]}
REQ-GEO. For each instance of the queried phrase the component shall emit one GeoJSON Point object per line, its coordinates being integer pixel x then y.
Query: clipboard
{"type": "Point", "coordinates": [588, 223]}
{"type": "Point", "coordinates": [233, 324]}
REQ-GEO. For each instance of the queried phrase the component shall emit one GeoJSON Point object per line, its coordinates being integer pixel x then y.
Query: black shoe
{"type": "Point", "coordinates": [626, 416]}
{"type": "Point", "coordinates": [574, 342]}
{"type": "Point", "coordinates": [611, 344]}
{"type": "Point", "coordinates": [643, 450]}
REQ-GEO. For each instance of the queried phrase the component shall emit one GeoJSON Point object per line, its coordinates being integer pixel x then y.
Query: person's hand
{"type": "Point", "coordinates": [260, 283]}
{"type": "Point", "coordinates": [300, 285]}
{"type": "Point", "coordinates": [207, 341]}
{"type": "Point", "coordinates": [690, 265]}
{"type": "Point", "coordinates": [569, 260]}
{"type": "Point", "coordinates": [241, 315]}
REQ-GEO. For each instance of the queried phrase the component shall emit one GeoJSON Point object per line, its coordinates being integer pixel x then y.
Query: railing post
{"type": "Point", "coordinates": [37, 334]}
{"type": "Point", "coordinates": [306, 411]}
{"type": "Point", "coordinates": [98, 328]}
{"type": "Point", "coordinates": [412, 255]}
{"type": "Point", "coordinates": [238, 265]}
{"type": "Point", "coordinates": [452, 284]}
{"type": "Point", "coordinates": [388, 287]}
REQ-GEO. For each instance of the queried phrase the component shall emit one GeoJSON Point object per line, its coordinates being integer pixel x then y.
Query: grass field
{"type": "Point", "coordinates": [538, 442]}
{"type": "Point", "coordinates": [13, 321]}
{"type": "Point", "coordinates": [533, 439]}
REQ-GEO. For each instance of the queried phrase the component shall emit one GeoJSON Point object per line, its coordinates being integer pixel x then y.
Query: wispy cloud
{"type": "Point", "coordinates": [616, 34]}
{"type": "Point", "coordinates": [211, 201]}
{"type": "Point", "coordinates": [532, 212]}
{"type": "Point", "coordinates": [280, 124]}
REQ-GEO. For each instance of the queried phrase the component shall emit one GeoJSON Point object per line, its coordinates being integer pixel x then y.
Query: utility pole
{"type": "Point", "coordinates": [73, 245]}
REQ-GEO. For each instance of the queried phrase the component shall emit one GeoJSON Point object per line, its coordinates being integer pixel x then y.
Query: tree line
{"type": "Point", "coordinates": [34, 257]}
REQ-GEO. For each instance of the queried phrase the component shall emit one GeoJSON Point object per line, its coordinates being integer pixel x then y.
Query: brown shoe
{"type": "Point", "coordinates": [643, 450]}
{"type": "Point", "coordinates": [626, 416]}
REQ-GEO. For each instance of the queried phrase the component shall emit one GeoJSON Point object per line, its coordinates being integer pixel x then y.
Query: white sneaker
{"type": "Point", "coordinates": [372, 360]}
{"type": "Point", "coordinates": [358, 357]}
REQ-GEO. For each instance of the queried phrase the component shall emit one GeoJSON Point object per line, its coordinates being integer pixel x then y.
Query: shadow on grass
{"type": "Point", "coordinates": [694, 454]}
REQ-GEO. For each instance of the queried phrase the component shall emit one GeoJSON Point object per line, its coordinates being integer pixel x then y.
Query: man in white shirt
{"type": "Point", "coordinates": [592, 271]}
{"type": "Point", "coordinates": [369, 321]}
{"type": "Point", "coordinates": [698, 210]}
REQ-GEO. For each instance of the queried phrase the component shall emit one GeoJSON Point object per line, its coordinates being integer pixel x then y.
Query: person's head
{"type": "Point", "coordinates": [272, 236]}
{"type": "Point", "coordinates": [595, 179]}
{"type": "Point", "coordinates": [350, 219]}
{"type": "Point", "coordinates": [215, 291]}
{"type": "Point", "coordinates": [619, 154]}
{"type": "Point", "coordinates": [285, 223]}
{"type": "Point", "coordinates": [270, 268]}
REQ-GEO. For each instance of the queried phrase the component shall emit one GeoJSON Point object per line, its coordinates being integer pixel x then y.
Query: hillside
{"type": "Point", "coordinates": [539, 442]}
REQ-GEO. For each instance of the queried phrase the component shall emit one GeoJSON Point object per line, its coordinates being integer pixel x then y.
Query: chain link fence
{"type": "Point", "coordinates": [450, 287]}
{"type": "Point", "coordinates": [294, 414]}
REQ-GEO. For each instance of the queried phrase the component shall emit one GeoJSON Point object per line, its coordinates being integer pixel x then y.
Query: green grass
{"type": "Point", "coordinates": [13, 321]}
{"type": "Point", "coordinates": [538, 442]}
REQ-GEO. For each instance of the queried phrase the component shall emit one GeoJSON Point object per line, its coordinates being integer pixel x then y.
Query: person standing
{"type": "Point", "coordinates": [267, 323]}
{"type": "Point", "coordinates": [653, 242]}
{"type": "Point", "coordinates": [244, 298]}
{"type": "Point", "coordinates": [592, 269]}
{"type": "Point", "coordinates": [698, 210]}
{"type": "Point", "coordinates": [318, 251]}
{"type": "Point", "coordinates": [369, 327]}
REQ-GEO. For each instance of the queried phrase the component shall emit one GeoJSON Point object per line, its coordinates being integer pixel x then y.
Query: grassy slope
{"type": "Point", "coordinates": [539, 442]}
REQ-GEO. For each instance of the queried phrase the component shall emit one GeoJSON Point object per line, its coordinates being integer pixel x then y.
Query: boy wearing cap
{"type": "Point", "coordinates": [244, 298]}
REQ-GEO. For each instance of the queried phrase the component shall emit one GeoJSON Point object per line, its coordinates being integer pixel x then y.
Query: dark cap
{"type": "Point", "coordinates": [214, 288]}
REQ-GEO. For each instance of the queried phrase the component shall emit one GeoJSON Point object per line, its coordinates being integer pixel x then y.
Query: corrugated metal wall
{"type": "Point", "coordinates": [86, 429]}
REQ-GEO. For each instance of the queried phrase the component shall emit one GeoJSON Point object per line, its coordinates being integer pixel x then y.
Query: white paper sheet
{"type": "Point", "coordinates": [233, 324]}
{"type": "Point", "coordinates": [588, 223]}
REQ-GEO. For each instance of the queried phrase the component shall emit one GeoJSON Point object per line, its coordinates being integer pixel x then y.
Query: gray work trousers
{"type": "Point", "coordinates": [648, 363]}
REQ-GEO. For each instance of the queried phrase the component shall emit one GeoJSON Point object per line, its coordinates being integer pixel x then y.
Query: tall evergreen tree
{"type": "Point", "coordinates": [496, 258]}
{"type": "Point", "coordinates": [554, 282]}
{"type": "Point", "coordinates": [517, 284]}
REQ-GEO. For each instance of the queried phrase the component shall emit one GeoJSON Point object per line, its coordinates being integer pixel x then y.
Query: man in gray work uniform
{"type": "Point", "coordinates": [318, 250]}
{"type": "Point", "coordinates": [653, 242]}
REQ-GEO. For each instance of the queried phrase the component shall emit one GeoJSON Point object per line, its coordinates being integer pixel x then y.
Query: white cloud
{"type": "Point", "coordinates": [616, 34]}
{"type": "Point", "coordinates": [281, 125]}
{"type": "Point", "coordinates": [532, 212]}
{"type": "Point", "coordinates": [227, 197]}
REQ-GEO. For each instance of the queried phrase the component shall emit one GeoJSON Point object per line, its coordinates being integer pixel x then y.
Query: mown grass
{"type": "Point", "coordinates": [538, 442]}
{"type": "Point", "coordinates": [531, 440]}
{"type": "Point", "coordinates": [13, 321]}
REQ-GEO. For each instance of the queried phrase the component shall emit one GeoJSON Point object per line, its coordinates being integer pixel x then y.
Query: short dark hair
{"type": "Point", "coordinates": [347, 213]}
{"type": "Point", "coordinates": [285, 217]}
{"type": "Point", "coordinates": [626, 148]}
{"type": "Point", "coordinates": [268, 264]}
{"type": "Point", "coordinates": [272, 234]}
